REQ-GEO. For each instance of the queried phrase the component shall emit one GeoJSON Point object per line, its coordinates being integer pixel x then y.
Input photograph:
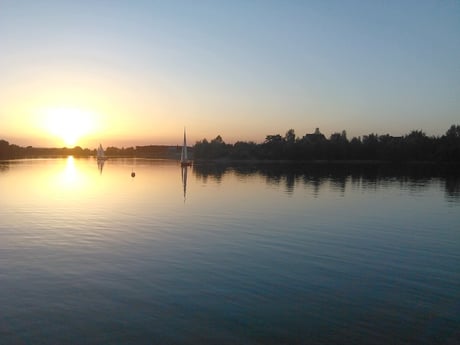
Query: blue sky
{"type": "Point", "coordinates": [242, 69]}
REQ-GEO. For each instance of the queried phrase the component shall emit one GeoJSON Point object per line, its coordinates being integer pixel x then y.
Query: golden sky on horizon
{"type": "Point", "coordinates": [82, 73]}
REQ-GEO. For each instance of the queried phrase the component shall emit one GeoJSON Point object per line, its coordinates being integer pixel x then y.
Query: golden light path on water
{"type": "Point", "coordinates": [70, 178]}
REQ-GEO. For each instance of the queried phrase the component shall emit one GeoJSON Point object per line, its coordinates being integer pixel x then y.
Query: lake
{"type": "Point", "coordinates": [214, 254]}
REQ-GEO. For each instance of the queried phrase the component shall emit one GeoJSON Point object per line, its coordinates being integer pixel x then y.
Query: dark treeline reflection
{"type": "Point", "coordinates": [4, 166]}
{"type": "Point", "coordinates": [414, 177]}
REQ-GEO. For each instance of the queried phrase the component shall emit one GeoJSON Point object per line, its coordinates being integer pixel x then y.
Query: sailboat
{"type": "Point", "coordinates": [100, 153]}
{"type": "Point", "coordinates": [183, 156]}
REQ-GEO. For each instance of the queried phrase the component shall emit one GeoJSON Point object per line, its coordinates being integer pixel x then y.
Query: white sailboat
{"type": "Point", "coordinates": [100, 153]}
{"type": "Point", "coordinates": [184, 161]}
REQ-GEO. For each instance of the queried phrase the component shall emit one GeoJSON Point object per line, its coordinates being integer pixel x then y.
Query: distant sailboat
{"type": "Point", "coordinates": [100, 153]}
{"type": "Point", "coordinates": [100, 157]}
{"type": "Point", "coordinates": [183, 156]}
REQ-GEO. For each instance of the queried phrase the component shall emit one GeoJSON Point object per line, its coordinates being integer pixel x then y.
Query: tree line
{"type": "Point", "coordinates": [12, 151]}
{"type": "Point", "coordinates": [8, 151]}
{"type": "Point", "coordinates": [415, 146]}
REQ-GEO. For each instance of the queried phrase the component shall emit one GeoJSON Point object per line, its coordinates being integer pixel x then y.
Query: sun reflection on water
{"type": "Point", "coordinates": [71, 177]}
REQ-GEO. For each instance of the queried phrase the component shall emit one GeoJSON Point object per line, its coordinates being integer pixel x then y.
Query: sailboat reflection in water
{"type": "Point", "coordinates": [184, 169]}
{"type": "Point", "coordinates": [100, 165]}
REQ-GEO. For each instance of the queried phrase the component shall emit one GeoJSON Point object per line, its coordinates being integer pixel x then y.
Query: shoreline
{"type": "Point", "coordinates": [250, 161]}
{"type": "Point", "coordinates": [322, 162]}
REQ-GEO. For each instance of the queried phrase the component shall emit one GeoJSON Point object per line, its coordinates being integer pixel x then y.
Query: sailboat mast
{"type": "Point", "coordinates": [184, 149]}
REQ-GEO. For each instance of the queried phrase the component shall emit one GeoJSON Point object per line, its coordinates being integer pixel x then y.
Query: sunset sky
{"type": "Point", "coordinates": [125, 73]}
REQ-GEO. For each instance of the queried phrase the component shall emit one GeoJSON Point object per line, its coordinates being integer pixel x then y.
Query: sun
{"type": "Point", "coordinates": [69, 124]}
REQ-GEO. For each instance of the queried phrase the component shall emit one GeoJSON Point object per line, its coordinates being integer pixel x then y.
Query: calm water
{"type": "Point", "coordinates": [248, 255]}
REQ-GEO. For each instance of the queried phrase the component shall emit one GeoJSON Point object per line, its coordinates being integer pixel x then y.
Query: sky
{"type": "Point", "coordinates": [126, 73]}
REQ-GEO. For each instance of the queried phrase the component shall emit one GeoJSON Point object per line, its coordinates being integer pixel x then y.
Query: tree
{"type": "Point", "coordinates": [453, 132]}
{"type": "Point", "coordinates": [450, 144]}
{"type": "Point", "coordinates": [273, 138]}
{"type": "Point", "coordinates": [4, 148]}
{"type": "Point", "coordinates": [217, 140]}
{"type": "Point", "coordinates": [290, 136]}
{"type": "Point", "coordinates": [215, 149]}
{"type": "Point", "coordinates": [338, 146]}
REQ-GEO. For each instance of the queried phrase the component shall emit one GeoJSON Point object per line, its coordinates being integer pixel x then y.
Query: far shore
{"type": "Point", "coordinates": [317, 161]}
{"type": "Point", "coordinates": [229, 161]}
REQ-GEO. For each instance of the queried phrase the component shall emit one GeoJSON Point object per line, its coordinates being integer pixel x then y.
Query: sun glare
{"type": "Point", "coordinates": [69, 124]}
{"type": "Point", "coordinates": [70, 178]}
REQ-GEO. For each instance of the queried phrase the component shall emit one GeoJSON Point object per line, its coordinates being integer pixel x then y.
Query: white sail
{"type": "Point", "coordinates": [100, 152]}
{"type": "Point", "coordinates": [183, 155]}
